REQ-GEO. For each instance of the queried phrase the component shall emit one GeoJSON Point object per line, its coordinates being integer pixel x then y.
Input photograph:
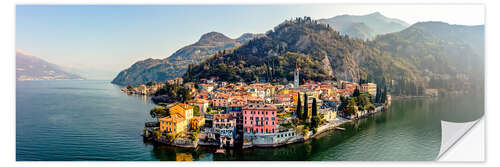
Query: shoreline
{"type": "Point", "coordinates": [325, 128]}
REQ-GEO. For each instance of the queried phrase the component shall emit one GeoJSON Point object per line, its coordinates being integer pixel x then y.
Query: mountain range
{"type": "Point", "coordinates": [177, 64]}
{"type": "Point", "coordinates": [368, 48]}
{"type": "Point", "coordinates": [424, 55]}
{"type": "Point", "coordinates": [365, 26]}
{"type": "Point", "coordinates": [29, 67]}
{"type": "Point", "coordinates": [360, 27]}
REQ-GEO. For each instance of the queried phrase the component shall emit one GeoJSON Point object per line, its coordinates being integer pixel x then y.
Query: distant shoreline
{"type": "Point", "coordinates": [50, 79]}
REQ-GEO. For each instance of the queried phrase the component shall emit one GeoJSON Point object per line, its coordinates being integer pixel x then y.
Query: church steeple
{"type": "Point", "coordinates": [296, 76]}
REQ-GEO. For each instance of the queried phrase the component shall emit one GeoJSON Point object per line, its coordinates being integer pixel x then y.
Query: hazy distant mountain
{"type": "Point", "coordinates": [29, 67]}
{"type": "Point", "coordinates": [177, 64]}
{"type": "Point", "coordinates": [439, 54]}
{"type": "Point", "coordinates": [365, 26]}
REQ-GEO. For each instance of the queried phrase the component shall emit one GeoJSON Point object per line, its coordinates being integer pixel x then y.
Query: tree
{"type": "Point", "coordinates": [356, 92]}
{"type": "Point", "coordinates": [383, 96]}
{"type": "Point", "coordinates": [315, 121]}
{"type": "Point", "coordinates": [378, 95]}
{"type": "Point", "coordinates": [171, 137]}
{"type": "Point", "coordinates": [130, 88]}
{"type": "Point", "coordinates": [150, 83]}
{"type": "Point", "coordinates": [343, 103]}
{"type": "Point", "coordinates": [314, 108]}
{"type": "Point", "coordinates": [159, 112]}
{"type": "Point", "coordinates": [299, 107]}
{"type": "Point", "coordinates": [362, 101]}
{"type": "Point", "coordinates": [185, 94]}
{"type": "Point", "coordinates": [305, 131]}
{"type": "Point", "coordinates": [370, 107]}
{"type": "Point", "coordinates": [194, 136]}
{"type": "Point", "coordinates": [157, 134]}
{"type": "Point", "coordinates": [196, 110]}
{"type": "Point", "coordinates": [351, 107]}
{"type": "Point", "coordinates": [305, 113]}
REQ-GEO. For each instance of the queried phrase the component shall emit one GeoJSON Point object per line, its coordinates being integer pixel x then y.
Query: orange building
{"type": "Point", "coordinates": [173, 124]}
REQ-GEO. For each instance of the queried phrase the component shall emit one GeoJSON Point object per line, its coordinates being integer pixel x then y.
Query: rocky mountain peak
{"type": "Point", "coordinates": [213, 37]}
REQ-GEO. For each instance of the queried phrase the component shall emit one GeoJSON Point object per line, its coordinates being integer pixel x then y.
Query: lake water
{"type": "Point", "coordinates": [94, 120]}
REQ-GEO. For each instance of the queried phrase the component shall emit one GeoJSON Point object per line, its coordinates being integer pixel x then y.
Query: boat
{"type": "Point", "coordinates": [220, 151]}
{"type": "Point", "coordinates": [339, 128]}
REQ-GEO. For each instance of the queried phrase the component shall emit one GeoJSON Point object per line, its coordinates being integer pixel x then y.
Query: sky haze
{"type": "Point", "coordinates": [102, 40]}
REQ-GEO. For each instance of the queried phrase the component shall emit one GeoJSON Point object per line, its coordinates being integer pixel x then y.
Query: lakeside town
{"type": "Point", "coordinates": [217, 113]}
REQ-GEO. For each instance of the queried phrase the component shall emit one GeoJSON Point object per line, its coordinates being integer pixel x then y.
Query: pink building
{"type": "Point", "coordinates": [259, 118]}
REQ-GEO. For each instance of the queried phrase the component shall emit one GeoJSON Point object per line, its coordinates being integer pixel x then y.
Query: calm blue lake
{"type": "Point", "coordinates": [95, 121]}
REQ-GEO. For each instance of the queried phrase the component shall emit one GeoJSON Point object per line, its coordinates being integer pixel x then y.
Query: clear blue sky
{"type": "Point", "coordinates": [108, 39]}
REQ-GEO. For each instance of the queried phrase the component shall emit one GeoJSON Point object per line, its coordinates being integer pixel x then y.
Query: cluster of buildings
{"type": "Point", "coordinates": [143, 89]}
{"type": "Point", "coordinates": [239, 113]}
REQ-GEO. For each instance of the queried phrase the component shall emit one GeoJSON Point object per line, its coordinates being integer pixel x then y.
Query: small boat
{"type": "Point", "coordinates": [220, 151]}
{"type": "Point", "coordinates": [339, 128]}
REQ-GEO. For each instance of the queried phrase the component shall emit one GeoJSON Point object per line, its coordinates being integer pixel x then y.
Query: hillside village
{"type": "Point", "coordinates": [219, 113]}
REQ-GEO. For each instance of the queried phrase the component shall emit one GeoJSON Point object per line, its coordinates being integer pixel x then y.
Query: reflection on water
{"type": "Point", "coordinates": [183, 157]}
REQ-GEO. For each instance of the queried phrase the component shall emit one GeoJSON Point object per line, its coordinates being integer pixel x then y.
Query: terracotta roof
{"type": "Point", "coordinates": [260, 106]}
{"type": "Point", "coordinates": [183, 105]}
{"type": "Point", "coordinates": [174, 118]}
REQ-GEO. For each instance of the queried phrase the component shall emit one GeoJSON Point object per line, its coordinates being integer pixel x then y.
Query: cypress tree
{"type": "Point", "coordinates": [306, 108]}
{"type": "Point", "coordinates": [356, 92]}
{"type": "Point", "coordinates": [377, 96]}
{"type": "Point", "coordinates": [314, 108]}
{"type": "Point", "coordinates": [299, 107]}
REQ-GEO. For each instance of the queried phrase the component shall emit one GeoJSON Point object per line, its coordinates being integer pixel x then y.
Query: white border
{"type": "Point", "coordinates": [7, 102]}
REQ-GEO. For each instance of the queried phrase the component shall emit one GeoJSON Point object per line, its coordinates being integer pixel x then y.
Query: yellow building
{"type": "Point", "coordinates": [172, 124]}
{"type": "Point", "coordinates": [198, 121]}
{"type": "Point", "coordinates": [184, 110]}
{"type": "Point", "coordinates": [329, 116]}
{"type": "Point", "coordinates": [179, 118]}
{"type": "Point", "coordinates": [284, 91]}
{"type": "Point", "coordinates": [370, 88]}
